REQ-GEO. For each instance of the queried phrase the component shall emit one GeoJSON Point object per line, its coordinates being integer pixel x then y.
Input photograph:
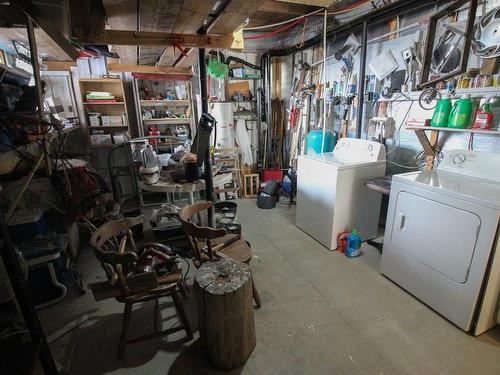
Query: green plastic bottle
{"type": "Point", "coordinates": [442, 112]}
{"type": "Point", "coordinates": [461, 113]}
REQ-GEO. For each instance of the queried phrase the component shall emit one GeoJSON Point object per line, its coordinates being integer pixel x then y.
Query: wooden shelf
{"type": "Point", "coordinates": [102, 146]}
{"type": "Point", "coordinates": [468, 130]}
{"type": "Point", "coordinates": [164, 103]}
{"type": "Point", "coordinates": [111, 103]}
{"type": "Point", "coordinates": [108, 126]}
{"type": "Point", "coordinates": [243, 78]}
{"type": "Point", "coordinates": [168, 121]}
{"type": "Point", "coordinates": [101, 80]}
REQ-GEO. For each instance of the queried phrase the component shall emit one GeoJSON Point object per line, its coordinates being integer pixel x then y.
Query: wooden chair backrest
{"type": "Point", "coordinates": [109, 242]}
{"type": "Point", "coordinates": [197, 233]}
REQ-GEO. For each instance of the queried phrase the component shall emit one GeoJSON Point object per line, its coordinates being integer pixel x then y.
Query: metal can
{"type": "Point", "coordinates": [494, 80]}
{"type": "Point", "coordinates": [451, 84]}
{"type": "Point", "coordinates": [487, 81]}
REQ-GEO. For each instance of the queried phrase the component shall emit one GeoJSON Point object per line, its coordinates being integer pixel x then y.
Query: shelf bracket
{"type": "Point", "coordinates": [428, 146]}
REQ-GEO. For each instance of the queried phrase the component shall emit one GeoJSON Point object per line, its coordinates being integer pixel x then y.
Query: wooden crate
{"type": "Point", "coordinates": [250, 185]}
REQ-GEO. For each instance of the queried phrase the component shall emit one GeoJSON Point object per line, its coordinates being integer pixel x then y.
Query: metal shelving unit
{"type": "Point", "coordinates": [166, 125]}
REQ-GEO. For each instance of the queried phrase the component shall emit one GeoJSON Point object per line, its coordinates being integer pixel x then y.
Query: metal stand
{"type": "Point", "coordinates": [209, 182]}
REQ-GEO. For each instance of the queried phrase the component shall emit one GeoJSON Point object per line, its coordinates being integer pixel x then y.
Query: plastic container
{"type": "Point", "coordinates": [461, 113]}
{"type": "Point", "coordinates": [484, 116]}
{"type": "Point", "coordinates": [271, 174]}
{"type": "Point", "coordinates": [226, 207]}
{"type": "Point", "coordinates": [353, 244]}
{"type": "Point", "coordinates": [442, 112]}
{"type": "Point", "coordinates": [314, 139]}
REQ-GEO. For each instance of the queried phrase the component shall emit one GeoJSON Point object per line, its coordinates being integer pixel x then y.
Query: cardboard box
{"type": "Point", "coordinates": [95, 120]}
{"type": "Point", "coordinates": [242, 87]}
{"type": "Point", "coordinates": [101, 139]}
{"type": "Point", "coordinates": [105, 120]}
{"type": "Point", "coordinates": [115, 120]}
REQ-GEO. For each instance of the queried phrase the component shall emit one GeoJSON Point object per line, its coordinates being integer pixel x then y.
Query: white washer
{"type": "Point", "coordinates": [440, 232]}
{"type": "Point", "coordinates": [331, 192]}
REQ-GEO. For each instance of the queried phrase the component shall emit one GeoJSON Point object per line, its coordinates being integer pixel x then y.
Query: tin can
{"type": "Point", "coordinates": [487, 81]}
{"type": "Point", "coordinates": [451, 84]}
{"type": "Point", "coordinates": [494, 80]}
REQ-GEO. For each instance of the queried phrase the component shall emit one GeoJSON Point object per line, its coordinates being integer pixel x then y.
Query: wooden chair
{"type": "Point", "coordinates": [109, 242]}
{"type": "Point", "coordinates": [207, 242]}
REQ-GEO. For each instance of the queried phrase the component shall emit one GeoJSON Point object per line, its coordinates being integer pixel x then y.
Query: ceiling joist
{"type": "Point", "coordinates": [151, 38]}
{"type": "Point", "coordinates": [37, 17]}
{"type": "Point", "coordinates": [130, 68]}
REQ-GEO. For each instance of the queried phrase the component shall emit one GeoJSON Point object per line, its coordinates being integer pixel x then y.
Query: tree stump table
{"type": "Point", "coordinates": [223, 290]}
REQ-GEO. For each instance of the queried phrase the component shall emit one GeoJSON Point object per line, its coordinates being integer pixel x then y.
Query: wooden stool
{"type": "Point", "coordinates": [250, 185]}
{"type": "Point", "coordinates": [223, 290]}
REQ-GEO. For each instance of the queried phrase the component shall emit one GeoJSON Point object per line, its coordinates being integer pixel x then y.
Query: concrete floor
{"type": "Point", "coordinates": [322, 313]}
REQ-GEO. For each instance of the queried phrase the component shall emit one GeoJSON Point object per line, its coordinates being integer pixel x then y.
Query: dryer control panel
{"type": "Point", "coordinates": [472, 163]}
{"type": "Point", "coordinates": [353, 150]}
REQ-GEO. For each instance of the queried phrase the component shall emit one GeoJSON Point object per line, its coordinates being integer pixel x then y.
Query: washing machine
{"type": "Point", "coordinates": [440, 238]}
{"type": "Point", "coordinates": [331, 193]}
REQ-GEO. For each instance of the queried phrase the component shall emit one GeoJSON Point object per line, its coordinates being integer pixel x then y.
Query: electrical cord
{"type": "Point", "coordinates": [399, 130]}
{"type": "Point", "coordinates": [274, 32]}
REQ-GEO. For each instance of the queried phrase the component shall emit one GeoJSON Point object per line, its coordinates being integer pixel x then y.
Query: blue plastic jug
{"type": "Point", "coordinates": [353, 244]}
{"type": "Point", "coordinates": [315, 138]}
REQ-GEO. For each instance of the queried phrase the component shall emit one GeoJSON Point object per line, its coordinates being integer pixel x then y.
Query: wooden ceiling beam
{"type": "Point", "coordinates": [152, 38]}
{"type": "Point", "coordinates": [290, 9]}
{"type": "Point", "coordinates": [120, 68]}
{"type": "Point", "coordinates": [37, 17]}
{"type": "Point", "coordinates": [11, 16]}
{"type": "Point", "coordinates": [318, 3]}
{"type": "Point", "coordinates": [235, 14]}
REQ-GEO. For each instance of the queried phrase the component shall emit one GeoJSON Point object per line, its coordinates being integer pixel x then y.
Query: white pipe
{"type": "Point", "coordinates": [324, 81]}
{"type": "Point", "coordinates": [280, 23]}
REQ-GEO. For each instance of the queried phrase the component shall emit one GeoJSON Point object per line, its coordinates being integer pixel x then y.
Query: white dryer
{"type": "Point", "coordinates": [331, 193]}
{"type": "Point", "coordinates": [440, 234]}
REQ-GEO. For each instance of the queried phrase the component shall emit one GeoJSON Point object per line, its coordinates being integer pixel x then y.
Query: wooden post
{"type": "Point", "coordinates": [223, 290]}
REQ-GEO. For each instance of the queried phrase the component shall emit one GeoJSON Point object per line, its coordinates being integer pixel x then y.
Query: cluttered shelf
{"type": "Point", "coordinates": [164, 102]}
{"type": "Point", "coordinates": [468, 130]}
{"type": "Point", "coordinates": [167, 121]}
{"type": "Point", "coordinates": [101, 80]}
{"type": "Point", "coordinates": [104, 103]}
{"type": "Point", "coordinates": [108, 126]}
{"type": "Point", "coordinates": [251, 78]}
{"type": "Point", "coordinates": [415, 95]}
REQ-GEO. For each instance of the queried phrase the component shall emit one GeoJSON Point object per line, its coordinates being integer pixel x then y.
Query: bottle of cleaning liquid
{"type": "Point", "coordinates": [484, 116]}
{"type": "Point", "coordinates": [461, 113]}
{"type": "Point", "coordinates": [353, 244]}
{"type": "Point", "coordinates": [351, 87]}
{"type": "Point", "coordinates": [442, 112]}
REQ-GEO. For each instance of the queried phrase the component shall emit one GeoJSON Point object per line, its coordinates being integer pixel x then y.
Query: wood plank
{"type": "Point", "coordinates": [152, 38]}
{"type": "Point", "coordinates": [58, 66]}
{"type": "Point", "coordinates": [489, 305]}
{"type": "Point", "coordinates": [281, 8]}
{"type": "Point", "coordinates": [47, 49]}
{"type": "Point", "coordinates": [113, 67]}
{"type": "Point", "coordinates": [122, 14]}
{"type": "Point", "coordinates": [46, 25]}
{"type": "Point", "coordinates": [318, 3]}
{"type": "Point", "coordinates": [233, 17]}
{"type": "Point", "coordinates": [192, 14]}
{"type": "Point", "coordinates": [453, 130]}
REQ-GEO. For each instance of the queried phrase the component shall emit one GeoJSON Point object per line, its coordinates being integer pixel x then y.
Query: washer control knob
{"type": "Point", "coordinates": [370, 148]}
{"type": "Point", "coordinates": [458, 159]}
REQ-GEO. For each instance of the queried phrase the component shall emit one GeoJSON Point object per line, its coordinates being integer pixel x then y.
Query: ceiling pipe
{"type": "Point", "coordinates": [373, 17]}
{"type": "Point", "coordinates": [205, 29]}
